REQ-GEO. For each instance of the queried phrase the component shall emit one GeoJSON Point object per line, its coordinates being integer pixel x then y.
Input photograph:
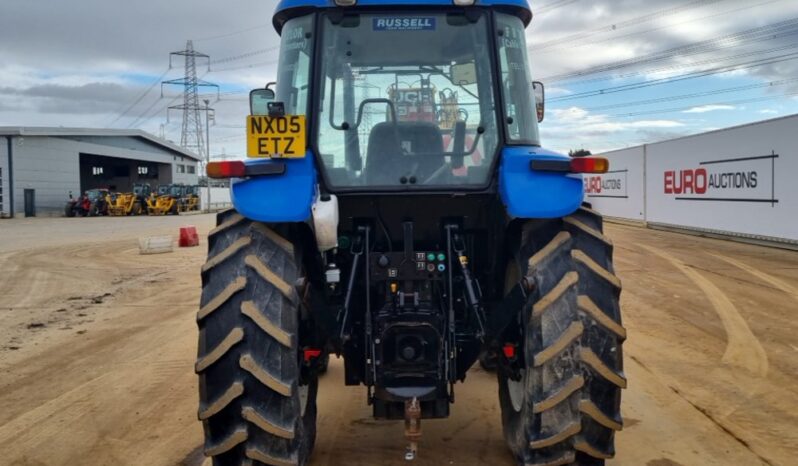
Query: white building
{"type": "Point", "coordinates": [41, 167]}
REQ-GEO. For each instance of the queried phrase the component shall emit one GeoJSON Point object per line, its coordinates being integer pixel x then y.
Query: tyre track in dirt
{"type": "Point", "coordinates": [743, 349]}
{"type": "Point", "coordinates": [783, 286]}
{"type": "Point", "coordinates": [752, 406]}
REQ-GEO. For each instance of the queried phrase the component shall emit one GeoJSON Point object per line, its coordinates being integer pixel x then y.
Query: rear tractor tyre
{"type": "Point", "coordinates": [487, 360]}
{"type": "Point", "coordinates": [253, 406]}
{"type": "Point", "coordinates": [324, 363]}
{"type": "Point", "coordinates": [565, 408]}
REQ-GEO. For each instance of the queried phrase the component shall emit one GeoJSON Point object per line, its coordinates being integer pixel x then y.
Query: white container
{"type": "Point", "coordinates": [156, 244]}
{"type": "Point", "coordinates": [325, 222]}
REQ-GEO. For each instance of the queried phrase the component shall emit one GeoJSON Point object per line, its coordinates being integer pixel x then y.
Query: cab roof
{"type": "Point", "coordinates": [287, 9]}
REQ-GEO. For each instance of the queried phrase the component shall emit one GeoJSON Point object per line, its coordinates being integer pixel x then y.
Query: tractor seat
{"type": "Point", "coordinates": [403, 149]}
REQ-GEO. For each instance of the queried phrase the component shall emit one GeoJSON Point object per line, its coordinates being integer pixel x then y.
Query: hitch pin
{"type": "Point", "coordinates": [412, 428]}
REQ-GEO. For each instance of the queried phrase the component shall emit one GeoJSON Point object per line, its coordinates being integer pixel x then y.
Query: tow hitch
{"type": "Point", "coordinates": [412, 428]}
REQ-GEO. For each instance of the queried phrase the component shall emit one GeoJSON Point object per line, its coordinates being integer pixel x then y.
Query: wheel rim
{"type": "Point", "coordinates": [516, 391]}
{"type": "Point", "coordinates": [303, 399]}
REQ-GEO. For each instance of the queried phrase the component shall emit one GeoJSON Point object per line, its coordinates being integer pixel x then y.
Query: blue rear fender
{"type": "Point", "coordinates": [277, 198]}
{"type": "Point", "coordinates": [525, 193]}
{"type": "Point", "coordinates": [537, 194]}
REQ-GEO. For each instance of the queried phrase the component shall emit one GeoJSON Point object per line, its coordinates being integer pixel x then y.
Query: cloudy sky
{"type": "Point", "coordinates": [618, 72]}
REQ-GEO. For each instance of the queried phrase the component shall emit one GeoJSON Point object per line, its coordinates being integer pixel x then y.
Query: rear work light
{"type": "Point", "coordinates": [232, 169]}
{"type": "Point", "coordinates": [238, 169]}
{"type": "Point", "coordinates": [590, 165]}
{"type": "Point", "coordinates": [575, 165]}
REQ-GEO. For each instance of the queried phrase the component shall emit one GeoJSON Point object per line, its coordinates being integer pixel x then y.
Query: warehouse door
{"type": "Point", "coordinates": [30, 202]}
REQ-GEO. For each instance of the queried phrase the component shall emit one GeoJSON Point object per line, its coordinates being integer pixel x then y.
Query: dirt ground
{"type": "Point", "coordinates": [97, 345]}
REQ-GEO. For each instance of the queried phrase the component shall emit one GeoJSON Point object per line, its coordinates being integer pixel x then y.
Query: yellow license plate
{"type": "Point", "coordinates": [279, 137]}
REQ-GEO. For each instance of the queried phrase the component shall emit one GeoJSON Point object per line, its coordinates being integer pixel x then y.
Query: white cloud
{"type": "Point", "coordinates": [709, 108]}
{"type": "Point", "coordinates": [569, 114]}
{"type": "Point", "coordinates": [557, 91]}
{"type": "Point", "coordinates": [768, 111]}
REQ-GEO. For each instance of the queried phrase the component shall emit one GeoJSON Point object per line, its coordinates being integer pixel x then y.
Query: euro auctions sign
{"type": "Point", "coordinates": [736, 179]}
{"type": "Point", "coordinates": [610, 184]}
{"type": "Point", "coordinates": [739, 181]}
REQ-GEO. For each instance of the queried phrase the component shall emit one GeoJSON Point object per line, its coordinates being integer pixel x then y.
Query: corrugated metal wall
{"type": "Point", "coordinates": [51, 167]}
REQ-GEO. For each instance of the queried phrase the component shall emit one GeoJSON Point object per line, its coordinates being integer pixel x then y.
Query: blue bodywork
{"type": "Point", "coordinates": [277, 198]}
{"type": "Point", "coordinates": [535, 194]}
{"type": "Point", "coordinates": [525, 193]}
{"type": "Point", "coordinates": [288, 4]}
{"type": "Point", "coordinates": [521, 6]}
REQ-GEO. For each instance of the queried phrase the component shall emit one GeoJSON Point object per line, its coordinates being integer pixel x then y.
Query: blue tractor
{"type": "Point", "coordinates": [399, 211]}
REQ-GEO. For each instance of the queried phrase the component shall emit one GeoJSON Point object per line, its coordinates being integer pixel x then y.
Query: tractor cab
{"type": "Point", "coordinates": [416, 99]}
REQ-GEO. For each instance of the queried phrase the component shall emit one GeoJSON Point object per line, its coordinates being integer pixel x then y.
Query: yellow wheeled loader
{"type": "Point", "coordinates": [164, 201]}
{"type": "Point", "coordinates": [121, 204]}
{"type": "Point", "coordinates": [132, 203]}
{"type": "Point", "coordinates": [189, 200]}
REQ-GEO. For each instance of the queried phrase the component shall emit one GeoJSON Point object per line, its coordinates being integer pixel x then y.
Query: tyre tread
{"type": "Point", "coordinates": [573, 345]}
{"type": "Point", "coordinates": [247, 359]}
{"type": "Point", "coordinates": [248, 363]}
{"type": "Point", "coordinates": [235, 390]}
{"type": "Point", "coordinates": [232, 338]}
{"type": "Point", "coordinates": [234, 287]}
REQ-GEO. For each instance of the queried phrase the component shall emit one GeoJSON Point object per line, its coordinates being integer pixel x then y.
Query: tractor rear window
{"type": "Point", "coordinates": [406, 101]}
{"type": "Point", "coordinates": [519, 104]}
{"type": "Point", "coordinates": [293, 80]}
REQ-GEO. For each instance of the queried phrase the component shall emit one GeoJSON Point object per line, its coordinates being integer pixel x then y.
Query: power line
{"type": "Point", "coordinates": [243, 67]}
{"type": "Point", "coordinates": [135, 122]}
{"type": "Point", "coordinates": [144, 117]}
{"type": "Point", "coordinates": [139, 98]}
{"type": "Point", "coordinates": [682, 109]}
{"type": "Point", "coordinates": [683, 77]}
{"type": "Point", "coordinates": [245, 55]}
{"type": "Point", "coordinates": [624, 24]}
{"type": "Point", "coordinates": [693, 95]}
{"type": "Point", "coordinates": [615, 38]}
{"type": "Point", "coordinates": [231, 138]}
{"type": "Point", "coordinates": [553, 6]}
{"type": "Point", "coordinates": [233, 33]}
{"type": "Point", "coordinates": [760, 52]}
{"type": "Point", "coordinates": [758, 34]}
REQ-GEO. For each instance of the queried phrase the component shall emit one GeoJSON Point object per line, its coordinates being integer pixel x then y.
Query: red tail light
{"type": "Point", "coordinates": [311, 353]}
{"type": "Point", "coordinates": [589, 165]}
{"type": "Point", "coordinates": [227, 169]}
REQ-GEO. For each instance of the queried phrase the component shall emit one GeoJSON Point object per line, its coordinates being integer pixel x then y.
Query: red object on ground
{"type": "Point", "coordinates": [188, 236]}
